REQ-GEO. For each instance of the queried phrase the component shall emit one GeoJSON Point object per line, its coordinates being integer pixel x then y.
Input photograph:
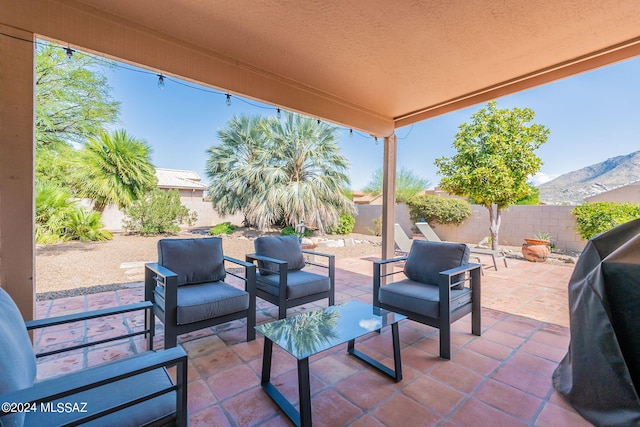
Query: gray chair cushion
{"type": "Point", "coordinates": [284, 248]}
{"type": "Point", "coordinates": [427, 259]}
{"type": "Point", "coordinates": [193, 260]}
{"type": "Point", "coordinates": [204, 301]}
{"type": "Point", "coordinates": [17, 360]}
{"type": "Point", "coordinates": [115, 393]}
{"type": "Point", "coordinates": [420, 298]}
{"type": "Point", "coordinates": [299, 284]}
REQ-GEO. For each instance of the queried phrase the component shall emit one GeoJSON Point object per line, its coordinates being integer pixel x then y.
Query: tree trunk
{"type": "Point", "coordinates": [495, 217]}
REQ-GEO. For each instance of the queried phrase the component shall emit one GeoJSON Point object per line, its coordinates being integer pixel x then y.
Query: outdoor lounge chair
{"type": "Point", "coordinates": [440, 287]}
{"type": "Point", "coordinates": [431, 236]}
{"type": "Point", "coordinates": [402, 241]}
{"type": "Point", "coordinates": [132, 391]}
{"type": "Point", "coordinates": [281, 279]}
{"type": "Point", "coordinates": [188, 292]}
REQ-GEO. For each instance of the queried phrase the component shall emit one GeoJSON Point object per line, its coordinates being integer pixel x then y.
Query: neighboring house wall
{"type": "Point", "coordinates": [518, 222]}
{"type": "Point", "coordinates": [627, 193]}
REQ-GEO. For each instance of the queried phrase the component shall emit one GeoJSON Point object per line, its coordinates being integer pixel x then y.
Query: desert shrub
{"type": "Point", "coordinates": [436, 209]}
{"type": "Point", "coordinates": [598, 217]}
{"type": "Point", "coordinates": [160, 212]}
{"type": "Point", "coordinates": [60, 219]}
{"type": "Point", "coordinates": [222, 228]}
{"type": "Point", "coordinates": [290, 230]}
{"type": "Point", "coordinates": [377, 224]}
{"type": "Point", "coordinates": [345, 225]}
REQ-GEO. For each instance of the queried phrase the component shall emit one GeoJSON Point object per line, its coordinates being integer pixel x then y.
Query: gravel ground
{"type": "Point", "coordinates": [76, 268]}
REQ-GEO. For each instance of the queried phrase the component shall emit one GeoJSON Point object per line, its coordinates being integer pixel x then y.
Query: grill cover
{"type": "Point", "coordinates": [600, 375]}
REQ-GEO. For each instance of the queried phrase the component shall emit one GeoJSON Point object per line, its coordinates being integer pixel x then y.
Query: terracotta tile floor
{"type": "Point", "coordinates": [502, 378]}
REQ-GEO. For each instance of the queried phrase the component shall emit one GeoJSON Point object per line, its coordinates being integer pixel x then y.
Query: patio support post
{"type": "Point", "coordinates": [17, 168]}
{"type": "Point", "coordinates": [388, 198]}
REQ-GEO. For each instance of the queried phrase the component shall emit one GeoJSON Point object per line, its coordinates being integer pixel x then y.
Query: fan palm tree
{"type": "Point", "coordinates": [307, 174]}
{"type": "Point", "coordinates": [275, 170]}
{"type": "Point", "coordinates": [235, 167]}
{"type": "Point", "coordinates": [113, 168]}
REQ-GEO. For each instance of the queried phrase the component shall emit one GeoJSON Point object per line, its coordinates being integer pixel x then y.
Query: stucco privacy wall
{"type": "Point", "coordinates": [517, 222]}
{"type": "Point", "coordinates": [207, 216]}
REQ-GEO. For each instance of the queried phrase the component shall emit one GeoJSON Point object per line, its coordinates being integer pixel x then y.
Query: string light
{"type": "Point", "coordinates": [278, 114]}
{"type": "Point", "coordinates": [162, 79]}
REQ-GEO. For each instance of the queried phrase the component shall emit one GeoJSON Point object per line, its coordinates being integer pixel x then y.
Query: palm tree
{"type": "Point", "coordinates": [305, 177]}
{"type": "Point", "coordinates": [235, 166]}
{"type": "Point", "coordinates": [113, 168]}
{"type": "Point", "coordinates": [273, 171]}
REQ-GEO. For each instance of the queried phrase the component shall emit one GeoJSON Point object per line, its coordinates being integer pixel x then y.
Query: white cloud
{"type": "Point", "coordinates": [541, 178]}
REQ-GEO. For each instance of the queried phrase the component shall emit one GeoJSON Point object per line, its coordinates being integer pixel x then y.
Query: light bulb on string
{"type": "Point", "coordinates": [160, 81]}
{"type": "Point", "coordinates": [318, 121]}
{"type": "Point", "coordinates": [350, 133]}
{"type": "Point", "coordinates": [228, 100]}
{"type": "Point", "coordinates": [278, 113]}
{"type": "Point", "coordinates": [69, 52]}
{"type": "Point", "coordinates": [376, 139]}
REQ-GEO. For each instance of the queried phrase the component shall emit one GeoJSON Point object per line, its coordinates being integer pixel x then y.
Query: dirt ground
{"type": "Point", "coordinates": [85, 267]}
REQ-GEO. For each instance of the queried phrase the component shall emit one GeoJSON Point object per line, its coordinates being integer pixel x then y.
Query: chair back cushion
{"type": "Point", "coordinates": [193, 260]}
{"type": "Point", "coordinates": [284, 248]}
{"type": "Point", "coordinates": [17, 360]}
{"type": "Point", "coordinates": [427, 259]}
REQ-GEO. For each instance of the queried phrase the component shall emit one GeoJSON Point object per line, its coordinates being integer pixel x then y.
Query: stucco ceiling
{"type": "Point", "coordinates": [374, 65]}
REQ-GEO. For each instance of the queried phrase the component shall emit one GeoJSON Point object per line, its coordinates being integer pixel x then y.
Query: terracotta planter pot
{"type": "Point", "coordinates": [536, 241]}
{"type": "Point", "coordinates": [536, 250]}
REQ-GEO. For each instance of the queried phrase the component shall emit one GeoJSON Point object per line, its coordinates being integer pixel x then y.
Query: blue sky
{"type": "Point", "coordinates": [592, 116]}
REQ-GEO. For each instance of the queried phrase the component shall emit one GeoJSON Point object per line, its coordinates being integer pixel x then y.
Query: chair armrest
{"type": "Point", "coordinates": [310, 252]}
{"type": "Point", "coordinates": [378, 276]}
{"type": "Point", "coordinates": [155, 274]}
{"type": "Point", "coordinates": [390, 260]}
{"type": "Point", "coordinates": [149, 329]}
{"type": "Point", "coordinates": [331, 260]}
{"type": "Point", "coordinates": [159, 270]}
{"type": "Point", "coordinates": [249, 274]}
{"type": "Point", "coordinates": [256, 257]}
{"type": "Point", "coordinates": [446, 275]}
{"type": "Point", "coordinates": [87, 315]}
{"type": "Point", "coordinates": [282, 265]}
{"type": "Point", "coordinates": [75, 382]}
{"type": "Point", "coordinates": [457, 270]}
{"type": "Point", "coordinates": [239, 262]}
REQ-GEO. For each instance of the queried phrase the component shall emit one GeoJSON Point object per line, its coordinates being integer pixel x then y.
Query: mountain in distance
{"type": "Point", "coordinates": [573, 187]}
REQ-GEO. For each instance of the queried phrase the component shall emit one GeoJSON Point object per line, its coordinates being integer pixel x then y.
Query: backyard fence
{"type": "Point", "coordinates": [518, 222]}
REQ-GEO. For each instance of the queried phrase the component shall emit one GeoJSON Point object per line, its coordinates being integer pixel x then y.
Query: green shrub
{"type": "Point", "coordinates": [60, 219]}
{"type": "Point", "coordinates": [222, 228]}
{"type": "Point", "coordinates": [441, 210]}
{"type": "Point", "coordinates": [598, 217]}
{"type": "Point", "coordinates": [290, 230]}
{"type": "Point", "coordinates": [160, 212]}
{"type": "Point", "coordinates": [377, 223]}
{"type": "Point", "coordinates": [345, 225]}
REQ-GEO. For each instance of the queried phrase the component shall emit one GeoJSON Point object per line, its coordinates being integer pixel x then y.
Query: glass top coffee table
{"type": "Point", "coordinates": [310, 333]}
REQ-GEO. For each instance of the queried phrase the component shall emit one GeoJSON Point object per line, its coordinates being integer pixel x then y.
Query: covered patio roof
{"type": "Point", "coordinates": [369, 65]}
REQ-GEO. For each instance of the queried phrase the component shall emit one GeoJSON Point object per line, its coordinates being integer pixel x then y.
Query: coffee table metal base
{"type": "Point", "coordinates": [302, 418]}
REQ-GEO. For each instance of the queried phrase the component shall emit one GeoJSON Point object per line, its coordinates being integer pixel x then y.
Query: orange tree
{"type": "Point", "coordinates": [495, 159]}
